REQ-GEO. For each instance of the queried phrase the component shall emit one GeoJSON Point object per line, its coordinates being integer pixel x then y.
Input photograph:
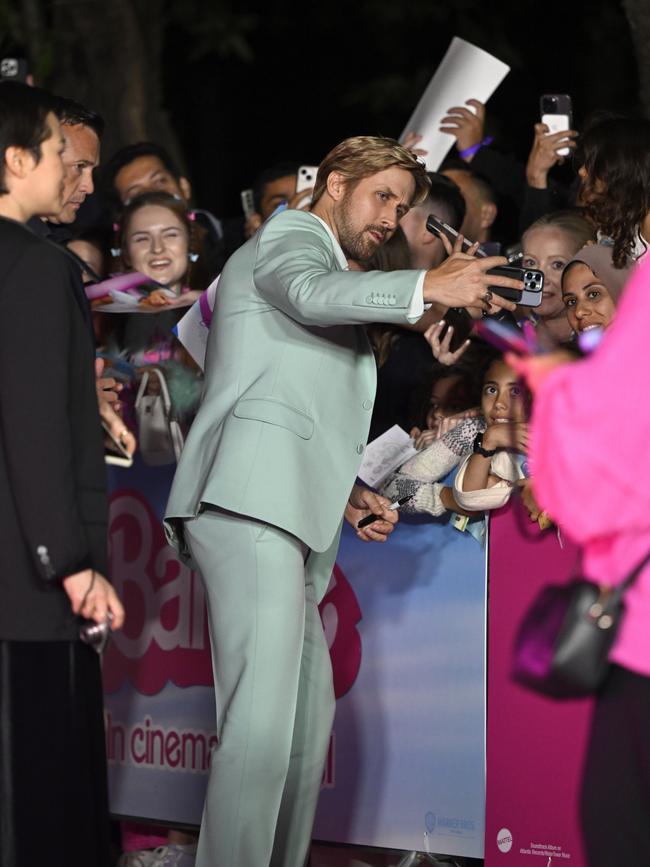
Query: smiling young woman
{"type": "Point", "coordinates": [591, 288]}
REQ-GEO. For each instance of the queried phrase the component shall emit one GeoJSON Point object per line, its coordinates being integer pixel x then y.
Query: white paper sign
{"type": "Point", "coordinates": [384, 455]}
{"type": "Point", "coordinates": [466, 72]}
{"type": "Point", "coordinates": [193, 329]}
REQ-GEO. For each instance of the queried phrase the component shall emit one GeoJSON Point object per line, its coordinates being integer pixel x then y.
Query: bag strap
{"type": "Point", "coordinates": [634, 574]}
{"type": "Point", "coordinates": [142, 389]}
{"type": "Point", "coordinates": [164, 390]}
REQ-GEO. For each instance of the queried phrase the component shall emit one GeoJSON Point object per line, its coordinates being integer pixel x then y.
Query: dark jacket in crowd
{"type": "Point", "coordinates": [53, 505]}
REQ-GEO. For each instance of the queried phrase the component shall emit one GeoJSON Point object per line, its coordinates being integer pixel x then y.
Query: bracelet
{"type": "Point", "coordinates": [469, 152]}
{"type": "Point", "coordinates": [478, 449]}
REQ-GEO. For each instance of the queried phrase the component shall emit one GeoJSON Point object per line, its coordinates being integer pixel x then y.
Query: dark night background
{"type": "Point", "coordinates": [334, 71]}
{"type": "Point", "coordinates": [233, 88]}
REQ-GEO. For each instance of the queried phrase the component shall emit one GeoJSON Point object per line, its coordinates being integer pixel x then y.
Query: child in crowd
{"type": "Point", "coordinates": [503, 420]}
{"type": "Point", "coordinates": [447, 396]}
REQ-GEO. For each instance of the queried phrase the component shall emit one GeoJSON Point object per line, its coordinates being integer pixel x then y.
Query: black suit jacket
{"type": "Point", "coordinates": [53, 506]}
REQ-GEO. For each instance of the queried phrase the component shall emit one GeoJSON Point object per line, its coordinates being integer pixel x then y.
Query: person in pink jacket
{"type": "Point", "coordinates": [590, 461]}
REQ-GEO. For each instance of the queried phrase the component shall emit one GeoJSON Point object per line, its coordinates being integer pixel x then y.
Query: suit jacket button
{"type": "Point", "coordinates": [360, 448]}
{"type": "Point", "coordinates": [367, 404]}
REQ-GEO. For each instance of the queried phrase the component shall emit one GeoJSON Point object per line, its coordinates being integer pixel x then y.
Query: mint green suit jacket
{"type": "Point", "coordinates": [289, 385]}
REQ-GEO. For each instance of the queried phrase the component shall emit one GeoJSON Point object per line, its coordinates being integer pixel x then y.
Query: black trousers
{"type": "Point", "coordinates": [53, 793]}
{"type": "Point", "coordinates": [615, 800]}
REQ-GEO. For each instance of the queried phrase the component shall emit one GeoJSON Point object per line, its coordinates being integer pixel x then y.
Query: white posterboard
{"type": "Point", "coordinates": [466, 72]}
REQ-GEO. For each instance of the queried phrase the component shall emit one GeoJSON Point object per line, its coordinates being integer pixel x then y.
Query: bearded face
{"type": "Point", "coordinates": [370, 209]}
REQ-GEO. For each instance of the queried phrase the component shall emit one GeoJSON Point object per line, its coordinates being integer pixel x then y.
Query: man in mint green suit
{"type": "Point", "coordinates": [268, 471]}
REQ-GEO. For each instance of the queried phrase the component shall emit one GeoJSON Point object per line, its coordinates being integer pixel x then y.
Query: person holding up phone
{"type": "Point", "coordinates": [529, 188]}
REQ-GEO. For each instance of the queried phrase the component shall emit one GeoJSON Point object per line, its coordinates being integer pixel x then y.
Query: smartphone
{"type": "Point", "coordinates": [462, 323]}
{"type": "Point", "coordinates": [247, 203]}
{"type": "Point", "coordinates": [438, 227]}
{"type": "Point", "coordinates": [13, 69]}
{"type": "Point", "coordinates": [533, 281]}
{"type": "Point", "coordinates": [557, 113]}
{"type": "Point", "coordinates": [507, 338]}
{"type": "Point", "coordinates": [116, 454]}
{"type": "Point", "coordinates": [306, 178]}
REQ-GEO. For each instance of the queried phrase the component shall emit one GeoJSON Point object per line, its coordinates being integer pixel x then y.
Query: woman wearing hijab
{"type": "Point", "coordinates": [592, 287]}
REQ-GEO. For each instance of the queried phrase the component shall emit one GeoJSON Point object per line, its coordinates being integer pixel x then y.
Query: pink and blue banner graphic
{"type": "Point", "coordinates": [535, 745]}
{"type": "Point", "coordinates": [405, 623]}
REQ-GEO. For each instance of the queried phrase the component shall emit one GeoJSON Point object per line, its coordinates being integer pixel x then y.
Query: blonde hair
{"type": "Point", "coordinates": [571, 222]}
{"type": "Point", "coordinates": [365, 155]}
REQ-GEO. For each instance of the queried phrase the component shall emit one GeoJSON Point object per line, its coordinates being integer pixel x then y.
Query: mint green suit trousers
{"type": "Point", "coordinates": [274, 692]}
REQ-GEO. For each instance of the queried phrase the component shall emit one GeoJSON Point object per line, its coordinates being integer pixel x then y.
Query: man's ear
{"type": "Point", "coordinates": [18, 162]}
{"type": "Point", "coordinates": [336, 184]}
{"type": "Point", "coordinates": [186, 188]}
{"type": "Point", "coordinates": [488, 214]}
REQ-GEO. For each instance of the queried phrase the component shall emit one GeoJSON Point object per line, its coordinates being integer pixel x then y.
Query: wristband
{"type": "Point", "coordinates": [469, 152]}
{"type": "Point", "coordinates": [478, 447]}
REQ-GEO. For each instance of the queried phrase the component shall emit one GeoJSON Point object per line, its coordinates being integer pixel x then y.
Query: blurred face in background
{"type": "Point", "coordinates": [368, 212]}
{"type": "Point", "coordinates": [276, 193]}
{"type": "Point", "coordinates": [449, 396]}
{"type": "Point", "coordinates": [91, 254]}
{"type": "Point", "coordinates": [157, 245]}
{"type": "Point", "coordinates": [80, 157]}
{"type": "Point", "coordinates": [586, 299]}
{"type": "Point", "coordinates": [426, 248]}
{"type": "Point", "coordinates": [548, 249]}
{"type": "Point", "coordinates": [148, 174]}
{"type": "Point", "coordinates": [480, 213]}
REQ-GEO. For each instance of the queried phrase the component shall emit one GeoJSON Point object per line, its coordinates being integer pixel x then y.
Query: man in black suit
{"type": "Point", "coordinates": [53, 516]}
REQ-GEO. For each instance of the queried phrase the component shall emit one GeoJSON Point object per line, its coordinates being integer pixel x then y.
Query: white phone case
{"type": "Point", "coordinates": [306, 178]}
{"type": "Point", "coordinates": [558, 123]}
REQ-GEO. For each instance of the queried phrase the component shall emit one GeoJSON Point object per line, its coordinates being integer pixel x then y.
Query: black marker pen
{"type": "Point", "coordinates": [394, 506]}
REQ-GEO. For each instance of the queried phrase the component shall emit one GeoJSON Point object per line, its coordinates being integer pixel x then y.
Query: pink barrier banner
{"type": "Point", "coordinates": [535, 745]}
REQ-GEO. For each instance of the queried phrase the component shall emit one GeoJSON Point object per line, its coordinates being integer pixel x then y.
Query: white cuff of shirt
{"type": "Point", "coordinates": [417, 306]}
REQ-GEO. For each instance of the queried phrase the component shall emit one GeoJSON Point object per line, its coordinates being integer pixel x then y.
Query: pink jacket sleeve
{"type": "Point", "coordinates": [590, 443]}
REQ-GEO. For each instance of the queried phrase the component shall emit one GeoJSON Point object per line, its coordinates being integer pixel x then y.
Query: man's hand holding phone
{"type": "Point", "coordinates": [462, 280]}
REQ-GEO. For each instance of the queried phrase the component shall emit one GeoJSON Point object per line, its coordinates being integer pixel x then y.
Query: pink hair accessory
{"type": "Point", "coordinates": [116, 227]}
{"type": "Point", "coordinates": [191, 216]}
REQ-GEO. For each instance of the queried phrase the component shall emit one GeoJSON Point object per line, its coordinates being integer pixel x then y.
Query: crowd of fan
{"type": "Point", "coordinates": [134, 212]}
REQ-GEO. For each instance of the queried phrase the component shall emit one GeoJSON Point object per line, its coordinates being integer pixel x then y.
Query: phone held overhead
{"type": "Point", "coordinates": [557, 113]}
